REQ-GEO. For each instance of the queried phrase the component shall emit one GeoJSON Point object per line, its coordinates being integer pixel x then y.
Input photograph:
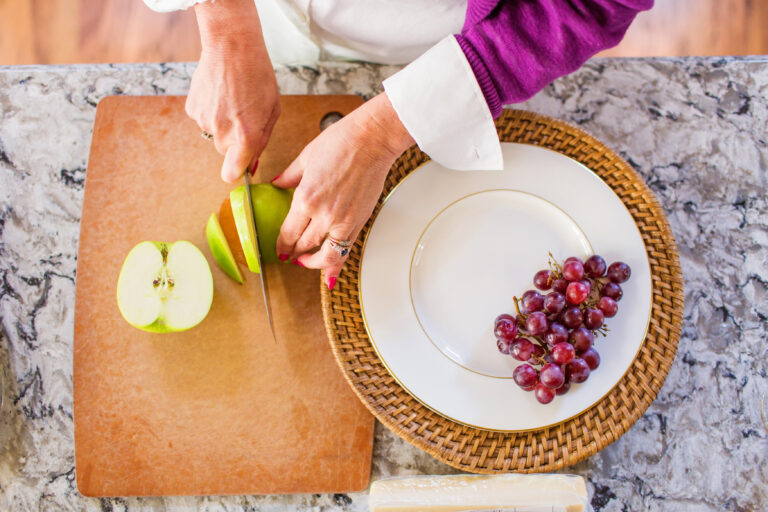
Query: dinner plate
{"type": "Point", "coordinates": [447, 253]}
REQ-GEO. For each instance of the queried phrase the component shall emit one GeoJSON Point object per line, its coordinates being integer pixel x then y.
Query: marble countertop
{"type": "Point", "coordinates": [694, 128]}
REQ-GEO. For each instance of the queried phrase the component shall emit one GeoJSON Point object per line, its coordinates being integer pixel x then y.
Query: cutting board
{"type": "Point", "coordinates": [221, 408]}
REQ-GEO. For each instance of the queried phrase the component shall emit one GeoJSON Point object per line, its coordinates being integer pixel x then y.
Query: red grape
{"type": "Point", "coordinates": [505, 328]}
{"type": "Point", "coordinates": [552, 376]}
{"type": "Point", "coordinates": [573, 270]}
{"type": "Point", "coordinates": [593, 318]}
{"type": "Point", "coordinates": [536, 323]}
{"type": "Point", "coordinates": [543, 394]}
{"type": "Point", "coordinates": [588, 284]}
{"type": "Point", "coordinates": [532, 301]}
{"type": "Point", "coordinates": [503, 346]}
{"type": "Point", "coordinates": [608, 306]}
{"type": "Point", "coordinates": [612, 290]}
{"type": "Point", "coordinates": [559, 285]}
{"type": "Point", "coordinates": [554, 302]}
{"type": "Point", "coordinates": [581, 338]}
{"type": "Point", "coordinates": [576, 293]}
{"type": "Point", "coordinates": [619, 272]}
{"type": "Point", "coordinates": [571, 317]}
{"type": "Point", "coordinates": [556, 334]}
{"type": "Point", "coordinates": [521, 349]}
{"type": "Point", "coordinates": [525, 376]}
{"type": "Point", "coordinates": [577, 371]}
{"type": "Point", "coordinates": [542, 280]}
{"type": "Point", "coordinates": [572, 258]}
{"type": "Point", "coordinates": [592, 358]}
{"type": "Point", "coordinates": [538, 351]}
{"type": "Point", "coordinates": [594, 266]}
{"type": "Point", "coordinates": [563, 353]}
{"type": "Point", "coordinates": [563, 389]}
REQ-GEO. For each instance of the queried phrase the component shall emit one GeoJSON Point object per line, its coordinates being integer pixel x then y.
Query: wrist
{"type": "Point", "coordinates": [385, 125]}
{"type": "Point", "coordinates": [229, 25]}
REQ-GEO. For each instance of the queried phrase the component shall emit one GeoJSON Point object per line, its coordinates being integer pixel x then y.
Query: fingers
{"type": "Point", "coordinates": [293, 227]}
{"type": "Point", "coordinates": [313, 237]}
{"type": "Point", "coordinates": [329, 259]}
{"type": "Point", "coordinates": [291, 177]}
{"type": "Point", "coordinates": [236, 161]}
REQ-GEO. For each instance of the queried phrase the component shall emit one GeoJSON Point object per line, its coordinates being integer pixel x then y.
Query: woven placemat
{"type": "Point", "coordinates": [555, 447]}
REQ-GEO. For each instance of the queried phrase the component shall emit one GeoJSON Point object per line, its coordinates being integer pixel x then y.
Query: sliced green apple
{"type": "Point", "coordinates": [245, 228]}
{"type": "Point", "coordinates": [164, 287]}
{"type": "Point", "coordinates": [271, 205]}
{"type": "Point", "coordinates": [221, 250]}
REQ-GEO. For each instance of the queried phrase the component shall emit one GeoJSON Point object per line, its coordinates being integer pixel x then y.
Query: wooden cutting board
{"type": "Point", "coordinates": [221, 408]}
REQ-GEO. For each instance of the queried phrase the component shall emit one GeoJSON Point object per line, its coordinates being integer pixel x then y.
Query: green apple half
{"type": "Point", "coordinates": [222, 253]}
{"type": "Point", "coordinates": [165, 287]}
{"type": "Point", "coordinates": [270, 205]}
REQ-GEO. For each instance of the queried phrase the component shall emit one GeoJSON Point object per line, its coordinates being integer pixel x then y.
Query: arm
{"type": "Point", "coordinates": [516, 48]}
{"type": "Point", "coordinates": [234, 93]}
{"type": "Point", "coordinates": [508, 50]}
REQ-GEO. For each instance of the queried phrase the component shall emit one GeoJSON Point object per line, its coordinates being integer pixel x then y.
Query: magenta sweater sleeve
{"type": "Point", "coordinates": [517, 47]}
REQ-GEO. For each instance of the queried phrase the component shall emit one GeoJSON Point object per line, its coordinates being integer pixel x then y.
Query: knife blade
{"type": "Point", "coordinates": [262, 270]}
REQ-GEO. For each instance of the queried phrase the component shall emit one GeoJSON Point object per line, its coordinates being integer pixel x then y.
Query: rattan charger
{"type": "Point", "coordinates": [548, 449]}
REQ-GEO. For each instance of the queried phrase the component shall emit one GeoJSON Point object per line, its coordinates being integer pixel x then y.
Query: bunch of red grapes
{"type": "Point", "coordinates": [554, 334]}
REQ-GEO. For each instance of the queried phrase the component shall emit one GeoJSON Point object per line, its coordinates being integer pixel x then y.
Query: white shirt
{"type": "Point", "coordinates": [436, 96]}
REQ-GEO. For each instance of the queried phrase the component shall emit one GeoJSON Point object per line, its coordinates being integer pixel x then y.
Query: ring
{"type": "Point", "coordinates": [206, 135]}
{"type": "Point", "coordinates": [340, 246]}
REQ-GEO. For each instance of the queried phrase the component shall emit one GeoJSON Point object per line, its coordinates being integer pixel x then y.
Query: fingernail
{"type": "Point", "coordinates": [275, 178]}
{"type": "Point", "coordinates": [283, 256]}
{"type": "Point", "coordinates": [297, 262]}
{"type": "Point", "coordinates": [331, 283]}
{"type": "Point", "coordinates": [255, 166]}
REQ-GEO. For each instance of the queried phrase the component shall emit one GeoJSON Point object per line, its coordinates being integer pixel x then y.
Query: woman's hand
{"type": "Point", "coordinates": [233, 94]}
{"type": "Point", "coordinates": [338, 179]}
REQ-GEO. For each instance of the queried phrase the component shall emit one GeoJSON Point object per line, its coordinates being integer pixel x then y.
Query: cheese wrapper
{"type": "Point", "coordinates": [491, 493]}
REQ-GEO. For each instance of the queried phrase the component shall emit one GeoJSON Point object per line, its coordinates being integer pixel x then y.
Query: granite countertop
{"type": "Point", "coordinates": [694, 128]}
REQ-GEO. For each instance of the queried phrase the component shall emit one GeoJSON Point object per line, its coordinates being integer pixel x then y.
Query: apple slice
{"type": "Point", "coordinates": [245, 228]}
{"type": "Point", "coordinates": [227, 222]}
{"type": "Point", "coordinates": [164, 287]}
{"type": "Point", "coordinates": [271, 205]}
{"type": "Point", "coordinates": [220, 249]}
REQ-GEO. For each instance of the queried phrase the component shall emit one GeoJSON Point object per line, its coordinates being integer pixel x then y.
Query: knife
{"type": "Point", "coordinates": [262, 276]}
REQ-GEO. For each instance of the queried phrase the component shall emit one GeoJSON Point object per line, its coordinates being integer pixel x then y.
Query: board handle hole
{"type": "Point", "coordinates": [330, 118]}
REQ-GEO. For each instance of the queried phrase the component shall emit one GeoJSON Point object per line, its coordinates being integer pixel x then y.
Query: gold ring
{"type": "Point", "coordinates": [206, 135]}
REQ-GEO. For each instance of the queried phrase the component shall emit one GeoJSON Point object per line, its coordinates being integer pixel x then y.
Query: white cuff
{"type": "Point", "coordinates": [439, 101]}
{"type": "Point", "coordinates": [171, 5]}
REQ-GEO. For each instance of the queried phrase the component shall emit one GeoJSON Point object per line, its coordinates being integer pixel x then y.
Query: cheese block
{"type": "Point", "coordinates": [456, 493]}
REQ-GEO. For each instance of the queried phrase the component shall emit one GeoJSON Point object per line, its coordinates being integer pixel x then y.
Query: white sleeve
{"type": "Point", "coordinates": [171, 5]}
{"type": "Point", "coordinates": [440, 103]}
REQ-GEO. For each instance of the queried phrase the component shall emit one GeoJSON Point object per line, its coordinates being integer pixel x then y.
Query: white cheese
{"type": "Point", "coordinates": [457, 493]}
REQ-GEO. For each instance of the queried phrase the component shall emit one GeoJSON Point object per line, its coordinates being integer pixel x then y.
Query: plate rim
{"type": "Point", "coordinates": [416, 248]}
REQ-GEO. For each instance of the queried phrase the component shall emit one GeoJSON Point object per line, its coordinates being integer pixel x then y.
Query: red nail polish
{"type": "Point", "coordinates": [297, 262]}
{"type": "Point", "coordinates": [255, 166]}
{"type": "Point", "coordinates": [275, 178]}
{"type": "Point", "coordinates": [283, 257]}
{"type": "Point", "coordinates": [331, 283]}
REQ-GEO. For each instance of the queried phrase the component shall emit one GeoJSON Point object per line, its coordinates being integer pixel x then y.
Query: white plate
{"type": "Point", "coordinates": [449, 250]}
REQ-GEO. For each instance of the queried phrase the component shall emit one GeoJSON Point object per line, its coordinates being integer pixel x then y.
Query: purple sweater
{"type": "Point", "coordinates": [517, 47]}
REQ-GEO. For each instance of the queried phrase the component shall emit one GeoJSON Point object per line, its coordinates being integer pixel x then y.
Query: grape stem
{"type": "Point", "coordinates": [517, 308]}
